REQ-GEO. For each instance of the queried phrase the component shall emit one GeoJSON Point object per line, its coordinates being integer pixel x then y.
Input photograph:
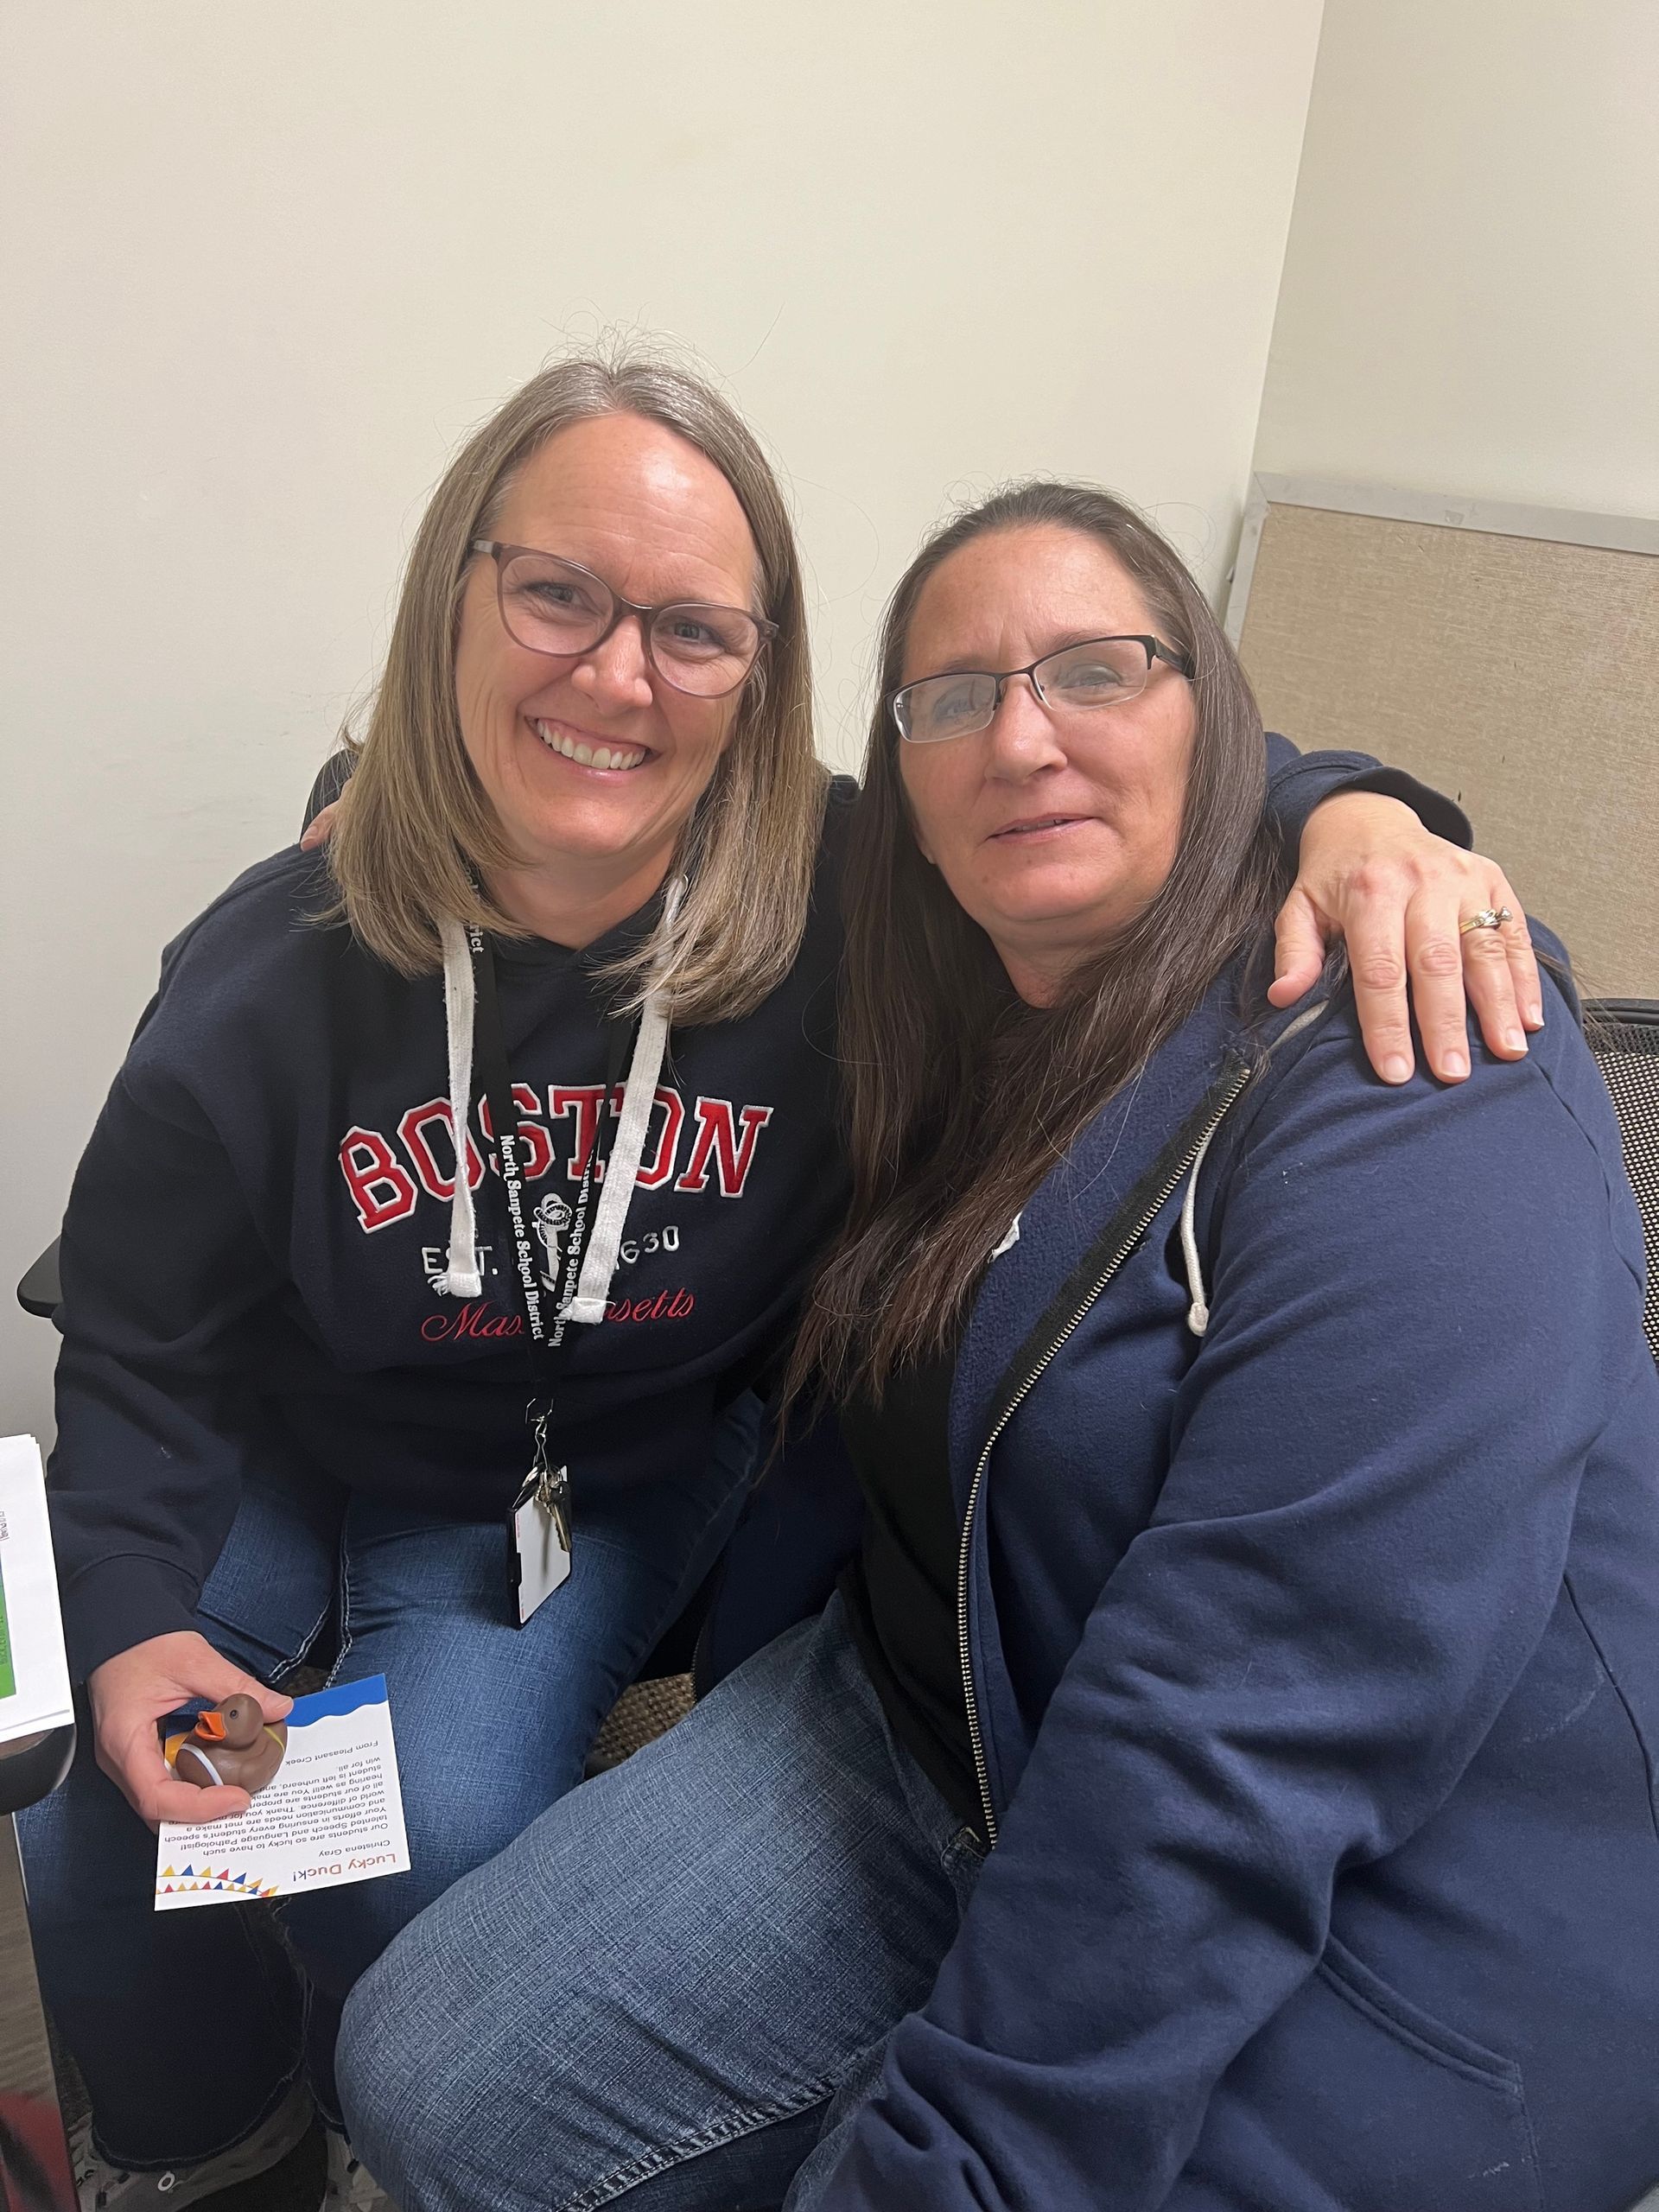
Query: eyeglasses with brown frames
{"type": "Point", "coordinates": [549, 605]}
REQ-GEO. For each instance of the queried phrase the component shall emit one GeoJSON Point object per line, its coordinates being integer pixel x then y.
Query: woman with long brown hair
{"type": "Point", "coordinates": [1223, 1775]}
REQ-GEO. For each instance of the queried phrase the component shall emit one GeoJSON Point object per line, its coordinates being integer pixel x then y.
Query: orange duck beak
{"type": "Point", "coordinates": [210, 1727]}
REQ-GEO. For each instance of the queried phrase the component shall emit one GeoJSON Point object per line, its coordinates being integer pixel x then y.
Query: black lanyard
{"type": "Point", "coordinates": [544, 1325]}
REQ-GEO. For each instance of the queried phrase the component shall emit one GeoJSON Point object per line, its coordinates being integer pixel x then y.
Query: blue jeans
{"type": "Point", "coordinates": [674, 1990]}
{"type": "Point", "coordinates": [189, 2026]}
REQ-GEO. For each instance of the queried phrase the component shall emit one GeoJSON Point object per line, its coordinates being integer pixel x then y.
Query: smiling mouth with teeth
{"type": "Point", "coordinates": [590, 756]}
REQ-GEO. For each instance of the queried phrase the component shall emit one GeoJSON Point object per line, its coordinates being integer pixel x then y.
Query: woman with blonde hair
{"type": "Point", "coordinates": [455, 1191]}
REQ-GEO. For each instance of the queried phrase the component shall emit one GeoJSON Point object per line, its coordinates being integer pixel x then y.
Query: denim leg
{"type": "Point", "coordinates": [185, 2026]}
{"type": "Point", "coordinates": [813, 2175]}
{"type": "Point", "coordinates": [652, 1996]}
{"type": "Point", "coordinates": [492, 1722]}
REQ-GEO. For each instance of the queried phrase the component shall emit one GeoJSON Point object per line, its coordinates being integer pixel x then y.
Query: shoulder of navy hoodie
{"type": "Point", "coordinates": [254, 989]}
{"type": "Point", "coordinates": [288, 888]}
{"type": "Point", "coordinates": [1559, 1057]}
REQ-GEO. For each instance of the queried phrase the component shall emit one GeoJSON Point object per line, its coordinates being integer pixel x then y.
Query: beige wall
{"type": "Point", "coordinates": [262, 265]}
{"type": "Point", "coordinates": [1471, 298]}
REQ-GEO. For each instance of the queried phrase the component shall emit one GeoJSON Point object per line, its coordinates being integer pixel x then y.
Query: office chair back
{"type": "Point", "coordinates": [1624, 1038]}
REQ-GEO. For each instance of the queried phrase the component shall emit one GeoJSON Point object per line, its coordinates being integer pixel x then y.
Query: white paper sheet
{"type": "Point", "coordinates": [332, 1813]}
{"type": "Point", "coordinates": [33, 1676]}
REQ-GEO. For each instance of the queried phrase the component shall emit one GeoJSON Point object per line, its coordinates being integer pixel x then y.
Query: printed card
{"type": "Point", "coordinates": [332, 1813]}
{"type": "Point", "coordinates": [33, 1676]}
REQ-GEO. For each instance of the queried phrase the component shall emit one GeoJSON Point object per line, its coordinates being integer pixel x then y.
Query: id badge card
{"type": "Point", "coordinates": [539, 1540]}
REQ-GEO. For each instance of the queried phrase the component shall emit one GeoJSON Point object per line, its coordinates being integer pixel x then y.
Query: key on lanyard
{"type": "Point", "coordinates": [539, 1549]}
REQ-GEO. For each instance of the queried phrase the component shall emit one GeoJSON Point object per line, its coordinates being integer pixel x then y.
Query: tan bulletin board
{"type": "Point", "coordinates": [1509, 656]}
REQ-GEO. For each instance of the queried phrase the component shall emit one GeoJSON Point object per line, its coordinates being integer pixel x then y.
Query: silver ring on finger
{"type": "Point", "coordinates": [1489, 917]}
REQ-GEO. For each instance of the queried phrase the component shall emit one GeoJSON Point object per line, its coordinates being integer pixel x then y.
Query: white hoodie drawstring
{"type": "Point", "coordinates": [462, 1278]}
{"type": "Point", "coordinates": [622, 1168]}
{"type": "Point", "coordinates": [1198, 1313]}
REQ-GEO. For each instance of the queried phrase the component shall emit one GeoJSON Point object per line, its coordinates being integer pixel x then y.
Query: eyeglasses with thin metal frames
{"type": "Point", "coordinates": [901, 702]}
{"type": "Point", "coordinates": [760, 628]}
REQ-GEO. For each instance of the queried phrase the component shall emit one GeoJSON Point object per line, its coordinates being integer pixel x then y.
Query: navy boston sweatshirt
{"type": "Point", "coordinates": [253, 1243]}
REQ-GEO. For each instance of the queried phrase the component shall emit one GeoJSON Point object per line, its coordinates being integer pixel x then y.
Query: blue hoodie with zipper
{"type": "Point", "coordinates": [1313, 1659]}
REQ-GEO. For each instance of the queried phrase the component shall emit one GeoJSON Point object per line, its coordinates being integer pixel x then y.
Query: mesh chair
{"type": "Point", "coordinates": [1624, 1038]}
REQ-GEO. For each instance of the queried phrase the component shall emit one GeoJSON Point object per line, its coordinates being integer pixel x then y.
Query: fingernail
{"type": "Point", "coordinates": [1457, 1062]}
{"type": "Point", "coordinates": [1396, 1068]}
{"type": "Point", "coordinates": [1534, 1017]}
{"type": "Point", "coordinates": [1515, 1040]}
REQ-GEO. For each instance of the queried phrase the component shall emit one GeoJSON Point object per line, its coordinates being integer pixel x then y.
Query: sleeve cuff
{"type": "Point", "coordinates": [1299, 785]}
{"type": "Point", "coordinates": [1437, 813]}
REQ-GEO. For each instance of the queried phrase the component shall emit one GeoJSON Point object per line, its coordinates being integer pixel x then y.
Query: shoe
{"type": "Point", "coordinates": [101, 2187]}
{"type": "Point", "coordinates": [350, 2186]}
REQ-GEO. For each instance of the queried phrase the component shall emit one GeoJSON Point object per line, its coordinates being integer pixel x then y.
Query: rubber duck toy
{"type": "Point", "coordinates": [234, 1743]}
